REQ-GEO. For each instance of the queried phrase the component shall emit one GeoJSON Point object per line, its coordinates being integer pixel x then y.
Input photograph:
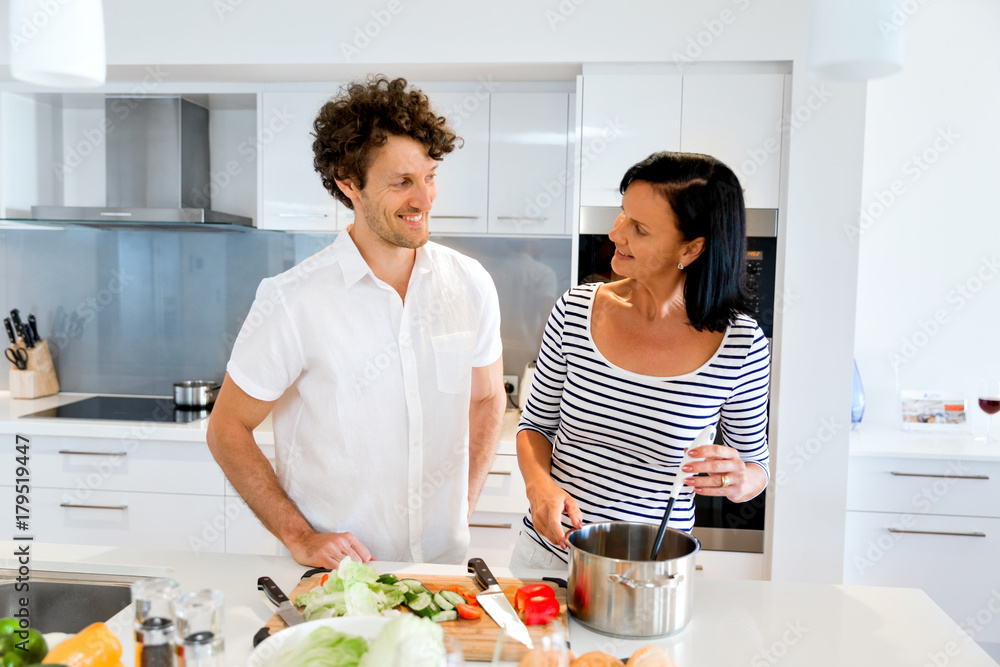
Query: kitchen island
{"type": "Point", "coordinates": [751, 623]}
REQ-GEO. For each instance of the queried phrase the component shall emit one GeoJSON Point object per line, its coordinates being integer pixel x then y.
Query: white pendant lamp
{"type": "Point", "coordinates": [855, 40]}
{"type": "Point", "coordinates": [57, 42]}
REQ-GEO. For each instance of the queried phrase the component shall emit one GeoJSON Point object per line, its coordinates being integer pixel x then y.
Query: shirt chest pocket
{"type": "Point", "coordinates": [453, 361]}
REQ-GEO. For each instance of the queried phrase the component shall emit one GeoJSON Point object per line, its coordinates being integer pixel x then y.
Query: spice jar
{"type": "Point", "coordinates": [154, 601]}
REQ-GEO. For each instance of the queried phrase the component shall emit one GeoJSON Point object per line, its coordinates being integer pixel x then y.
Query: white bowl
{"type": "Point", "coordinates": [267, 652]}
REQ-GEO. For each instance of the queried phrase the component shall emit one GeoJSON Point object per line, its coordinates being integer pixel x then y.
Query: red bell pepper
{"type": "Point", "coordinates": [530, 591]}
{"type": "Point", "coordinates": [540, 610]}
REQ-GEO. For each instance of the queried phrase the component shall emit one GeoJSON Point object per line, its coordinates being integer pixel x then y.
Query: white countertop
{"type": "Point", "coordinates": [878, 440]}
{"type": "Point", "coordinates": [734, 623]}
{"type": "Point", "coordinates": [12, 420]}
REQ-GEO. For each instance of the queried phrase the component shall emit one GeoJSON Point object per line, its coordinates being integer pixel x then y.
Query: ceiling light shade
{"type": "Point", "coordinates": [856, 40]}
{"type": "Point", "coordinates": [57, 42]}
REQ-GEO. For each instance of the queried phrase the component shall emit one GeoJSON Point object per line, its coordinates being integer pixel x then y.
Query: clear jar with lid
{"type": "Point", "coordinates": [154, 602]}
{"type": "Point", "coordinates": [198, 637]}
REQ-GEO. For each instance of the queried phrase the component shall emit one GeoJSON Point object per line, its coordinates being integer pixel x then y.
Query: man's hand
{"type": "Point", "coordinates": [328, 549]}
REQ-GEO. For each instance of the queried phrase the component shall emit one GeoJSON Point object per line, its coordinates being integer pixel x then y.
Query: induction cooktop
{"type": "Point", "coordinates": [124, 408]}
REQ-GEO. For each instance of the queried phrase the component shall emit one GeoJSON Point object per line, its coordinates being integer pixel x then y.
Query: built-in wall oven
{"type": "Point", "coordinates": [720, 525]}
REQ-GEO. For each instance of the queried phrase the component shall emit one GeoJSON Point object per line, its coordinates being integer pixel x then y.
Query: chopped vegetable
{"type": "Point", "coordinates": [468, 598]}
{"type": "Point", "coordinates": [468, 612]}
{"type": "Point", "coordinates": [354, 589]}
{"type": "Point", "coordinates": [540, 610]}
{"type": "Point", "coordinates": [530, 591]}
{"type": "Point", "coordinates": [325, 647]}
{"type": "Point", "coordinates": [406, 640]}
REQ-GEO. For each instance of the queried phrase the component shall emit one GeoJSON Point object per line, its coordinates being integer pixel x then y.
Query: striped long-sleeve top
{"type": "Point", "coordinates": [618, 437]}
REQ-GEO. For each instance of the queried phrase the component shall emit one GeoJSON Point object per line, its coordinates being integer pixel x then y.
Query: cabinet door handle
{"type": "Point", "coordinates": [81, 453]}
{"type": "Point", "coordinates": [499, 472]}
{"type": "Point", "coordinates": [921, 474]}
{"type": "Point", "coordinates": [502, 526]}
{"type": "Point", "coordinates": [302, 215]}
{"type": "Point", "coordinates": [95, 507]}
{"type": "Point", "coordinates": [936, 532]}
{"type": "Point", "coordinates": [520, 217]}
{"type": "Point", "coordinates": [456, 217]}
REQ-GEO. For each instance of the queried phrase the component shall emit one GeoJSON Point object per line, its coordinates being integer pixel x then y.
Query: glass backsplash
{"type": "Point", "coordinates": [133, 311]}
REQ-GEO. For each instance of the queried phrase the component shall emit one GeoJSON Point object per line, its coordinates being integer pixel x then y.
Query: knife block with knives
{"type": "Point", "coordinates": [33, 375]}
{"type": "Point", "coordinates": [38, 378]}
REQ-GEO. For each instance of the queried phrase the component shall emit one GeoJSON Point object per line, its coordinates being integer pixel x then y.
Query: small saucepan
{"type": "Point", "coordinates": [195, 393]}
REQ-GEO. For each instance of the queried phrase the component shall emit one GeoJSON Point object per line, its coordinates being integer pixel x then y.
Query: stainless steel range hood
{"type": "Point", "coordinates": [157, 169]}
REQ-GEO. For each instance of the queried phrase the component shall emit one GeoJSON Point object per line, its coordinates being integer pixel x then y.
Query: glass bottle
{"type": "Point", "coordinates": [154, 601]}
{"type": "Point", "coordinates": [199, 639]}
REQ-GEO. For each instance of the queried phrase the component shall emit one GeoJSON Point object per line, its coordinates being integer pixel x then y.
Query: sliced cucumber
{"type": "Point", "coordinates": [446, 615]}
{"type": "Point", "coordinates": [423, 605]}
{"type": "Point", "coordinates": [454, 598]}
{"type": "Point", "coordinates": [414, 585]}
{"type": "Point", "coordinates": [444, 603]}
{"type": "Point", "coordinates": [387, 579]}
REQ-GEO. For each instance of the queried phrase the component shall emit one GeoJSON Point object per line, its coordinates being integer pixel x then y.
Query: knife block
{"type": "Point", "coordinates": [39, 378]}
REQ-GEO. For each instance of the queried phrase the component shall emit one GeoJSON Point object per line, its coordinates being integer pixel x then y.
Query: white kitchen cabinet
{"type": "Point", "coordinates": [245, 534]}
{"type": "Point", "coordinates": [929, 523]}
{"type": "Point", "coordinates": [292, 194]}
{"type": "Point", "coordinates": [737, 119]}
{"type": "Point", "coordinates": [625, 119]}
{"type": "Point", "coordinates": [82, 465]}
{"type": "Point", "coordinates": [527, 163]}
{"type": "Point", "coordinates": [128, 518]}
{"type": "Point", "coordinates": [462, 177]}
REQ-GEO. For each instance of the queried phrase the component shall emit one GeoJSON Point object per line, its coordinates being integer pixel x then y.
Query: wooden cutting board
{"type": "Point", "coordinates": [478, 637]}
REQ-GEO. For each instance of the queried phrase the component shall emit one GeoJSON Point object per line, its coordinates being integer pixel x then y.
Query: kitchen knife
{"type": "Point", "coordinates": [29, 340]}
{"type": "Point", "coordinates": [10, 331]}
{"type": "Point", "coordinates": [496, 604]}
{"type": "Point", "coordinates": [33, 323]}
{"type": "Point", "coordinates": [286, 610]}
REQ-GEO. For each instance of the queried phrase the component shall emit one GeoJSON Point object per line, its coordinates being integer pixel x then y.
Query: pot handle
{"type": "Point", "coordinates": [670, 581]}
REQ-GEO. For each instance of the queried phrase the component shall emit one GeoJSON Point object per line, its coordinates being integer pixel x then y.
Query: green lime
{"type": "Point", "coordinates": [11, 659]}
{"type": "Point", "coordinates": [37, 648]}
{"type": "Point", "coordinates": [9, 625]}
{"type": "Point", "coordinates": [6, 644]}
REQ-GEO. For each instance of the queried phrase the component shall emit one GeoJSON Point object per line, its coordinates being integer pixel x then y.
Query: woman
{"type": "Point", "coordinates": [630, 372]}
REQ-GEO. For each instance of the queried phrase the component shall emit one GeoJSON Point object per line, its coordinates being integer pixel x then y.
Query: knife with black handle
{"type": "Point", "coordinates": [10, 330]}
{"type": "Point", "coordinates": [33, 324]}
{"type": "Point", "coordinates": [286, 610]}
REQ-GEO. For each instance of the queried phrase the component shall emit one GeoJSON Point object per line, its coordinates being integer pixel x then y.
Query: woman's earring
{"type": "Point", "coordinates": [680, 266]}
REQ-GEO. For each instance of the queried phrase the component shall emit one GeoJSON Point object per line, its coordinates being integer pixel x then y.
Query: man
{"type": "Point", "coordinates": [380, 357]}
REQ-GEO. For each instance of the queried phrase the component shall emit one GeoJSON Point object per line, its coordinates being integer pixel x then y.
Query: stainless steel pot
{"type": "Point", "coordinates": [195, 393]}
{"type": "Point", "coordinates": [615, 589]}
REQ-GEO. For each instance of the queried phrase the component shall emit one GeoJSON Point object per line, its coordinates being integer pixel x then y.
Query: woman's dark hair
{"type": "Point", "coordinates": [351, 126]}
{"type": "Point", "coordinates": [707, 199]}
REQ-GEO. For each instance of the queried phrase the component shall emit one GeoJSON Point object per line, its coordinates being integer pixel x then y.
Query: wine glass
{"type": "Point", "coordinates": [989, 402]}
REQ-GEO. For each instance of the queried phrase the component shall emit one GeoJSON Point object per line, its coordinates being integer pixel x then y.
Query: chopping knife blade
{"type": "Point", "coordinates": [286, 610]}
{"type": "Point", "coordinates": [496, 604]}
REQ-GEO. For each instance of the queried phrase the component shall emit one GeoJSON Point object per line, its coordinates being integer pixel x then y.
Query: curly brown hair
{"type": "Point", "coordinates": [351, 126]}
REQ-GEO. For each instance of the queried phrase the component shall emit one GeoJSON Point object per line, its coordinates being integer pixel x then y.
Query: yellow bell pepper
{"type": "Point", "coordinates": [94, 646]}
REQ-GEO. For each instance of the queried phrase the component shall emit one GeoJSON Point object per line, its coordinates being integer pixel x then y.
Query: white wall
{"type": "Point", "coordinates": [941, 233]}
{"type": "Point", "coordinates": [188, 40]}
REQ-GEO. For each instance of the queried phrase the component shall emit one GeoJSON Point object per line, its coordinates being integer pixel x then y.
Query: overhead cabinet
{"type": "Point", "coordinates": [292, 194]}
{"type": "Point", "coordinates": [735, 118]}
{"type": "Point", "coordinates": [625, 118]}
{"type": "Point", "coordinates": [528, 179]}
{"type": "Point", "coordinates": [461, 204]}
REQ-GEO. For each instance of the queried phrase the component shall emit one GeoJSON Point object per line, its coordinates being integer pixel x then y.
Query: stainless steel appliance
{"type": "Point", "coordinates": [158, 168]}
{"type": "Point", "coordinates": [720, 524]}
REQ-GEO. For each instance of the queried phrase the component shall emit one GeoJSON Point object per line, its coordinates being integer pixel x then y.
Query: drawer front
{"type": "Point", "coordinates": [503, 490]}
{"type": "Point", "coordinates": [245, 534]}
{"type": "Point", "coordinates": [943, 555]}
{"type": "Point", "coordinates": [924, 486]}
{"type": "Point", "coordinates": [492, 536]}
{"type": "Point", "coordinates": [87, 465]}
{"type": "Point", "coordinates": [128, 519]}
